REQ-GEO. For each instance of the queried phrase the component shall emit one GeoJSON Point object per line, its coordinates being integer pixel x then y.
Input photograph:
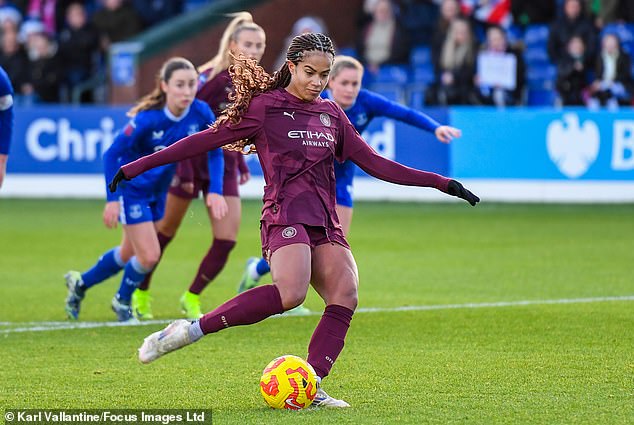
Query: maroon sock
{"type": "Point", "coordinates": [249, 307]}
{"type": "Point", "coordinates": [328, 339]}
{"type": "Point", "coordinates": [212, 264]}
{"type": "Point", "coordinates": [164, 240]}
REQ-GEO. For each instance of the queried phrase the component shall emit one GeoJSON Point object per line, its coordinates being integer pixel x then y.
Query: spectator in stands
{"type": "Point", "coordinates": [383, 40]}
{"type": "Point", "coordinates": [613, 85]}
{"type": "Point", "coordinates": [45, 68]}
{"type": "Point", "coordinates": [153, 12]}
{"type": "Point", "coordinates": [13, 56]}
{"type": "Point", "coordinates": [78, 49]}
{"type": "Point", "coordinates": [529, 12]}
{"type": "Point", "coordinates": [449, 11]}
{"type": "Point", "coordinates": [52, 13]}
{"type": "Point", "coordinates": [573, 22]}
{"type": "Point", "coordinates": [495, 55]}
{"type": "Point", "coordinates": [116, 20]}
{"type": "Point", "coordinates": [611, 11]}
{"type": "Point", "coordinates": [573, 73]}
{"type": "Point", "coordinates": [303, 25]}
{"type": "Point", "coordinates": [456, 71]}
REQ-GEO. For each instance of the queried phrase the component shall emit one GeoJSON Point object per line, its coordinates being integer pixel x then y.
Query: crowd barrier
{"type": "Point", "coordinates": [519, 155]}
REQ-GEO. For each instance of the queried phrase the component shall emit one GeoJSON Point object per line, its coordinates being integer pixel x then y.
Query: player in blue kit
{"type": "Point", "coordinates": [167, 114]}
{"type": "Point", "coordinates": [360, 106]}
{"type": "Point", "coordinates": [6, 121]}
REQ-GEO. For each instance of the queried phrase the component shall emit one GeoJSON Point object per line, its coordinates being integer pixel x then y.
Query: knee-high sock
{"type": "Point", "coordinates": [109, 264]}
{"type": "Point", "coordinates": [212, 264]}
{"type": "Point", "coordinates": [328, 339]}
{"type": "Point", "coordinates": [249, 307]}
{"type": "Point", "coordinates": [133, 275]}
{"type": "Point", "coordinates": [164, 240]}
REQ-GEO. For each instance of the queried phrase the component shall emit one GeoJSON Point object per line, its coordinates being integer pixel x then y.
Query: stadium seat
{"type": "Point", "coordinates": [541, 77]}
{"type": "Point", "coordinates": [536, 35]}
{"type": "Point", "coordinates": [391, 74]}
{"type": "Point", "coordinates": [392, 91]}
{"type": "Point", "coordinates": [536, 55]}
{"type": "Point", "coordinates": [347, 51]}
{"type": "Point", "coordinates": [541, 97]}
{"type": "Point", "coordinates": [423, 74]}
{"type": "Point", "coordinates": [420, 56]}
{"type": "Point", "coordinates": [625, 32]}
{"type": "Point", "coordinates": [415, 95]}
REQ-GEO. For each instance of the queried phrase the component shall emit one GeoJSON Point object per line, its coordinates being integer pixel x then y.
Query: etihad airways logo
{"type": "Point", "coordinates": [312, 138]}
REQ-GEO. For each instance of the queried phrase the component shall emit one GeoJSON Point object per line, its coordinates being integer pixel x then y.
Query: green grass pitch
{"type": "Point", "coordinates": [476, 354]}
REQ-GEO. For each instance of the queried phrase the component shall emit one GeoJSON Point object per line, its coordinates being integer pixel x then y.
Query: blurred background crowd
{"type": "Point", "coordinates": [418, 52]}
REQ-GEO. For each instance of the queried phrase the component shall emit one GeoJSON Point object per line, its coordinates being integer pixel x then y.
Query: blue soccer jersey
{"type": "Point", "coordinates": [6, 112]}
{"type": "Point", "coordinates": [150, 131]}
{"type": "Point", "coordinates": [367, 106]}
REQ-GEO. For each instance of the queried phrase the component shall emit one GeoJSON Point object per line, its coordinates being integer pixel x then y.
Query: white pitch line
{"type": "Point", "coordinates": [52, 326]}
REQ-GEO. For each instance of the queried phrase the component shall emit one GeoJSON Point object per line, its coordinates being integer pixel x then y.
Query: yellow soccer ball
{"type": "Point", "coordinates": [288, 382]}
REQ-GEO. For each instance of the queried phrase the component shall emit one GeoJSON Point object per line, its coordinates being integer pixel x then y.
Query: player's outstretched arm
{"type": "Point", "coordinates": [393, 172]}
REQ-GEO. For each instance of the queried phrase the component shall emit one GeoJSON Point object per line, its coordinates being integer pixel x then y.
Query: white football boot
{"type": "Point", "coordinates": [324, 400]}
{"type": "Point", "coordinates": [173, 337]}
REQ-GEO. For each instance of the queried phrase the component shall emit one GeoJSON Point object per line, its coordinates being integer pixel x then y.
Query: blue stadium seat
{"type": "Point", "coordinates": [536, 55]}
{"type": "Point", "coordinates": [347, 51]}
{"type": "Point", "coordinates": [392, 91]}
{"type": "Point", "coordinates": [415, 95]}
{"type": "Point", "coordinates": [541, 77]}
{"type": "Point", "coordinates": [625, 32]}
{"type": "Point", "coordinates": [423, 74]}
{"type": "Point", "coordinates": [392, 74]}
{"type": "Point", "coordinates": [420, 55]}
{"type": "Point", "coordinates": [536, 35]}
{"type": "Point", "coordinates": [541, 97]}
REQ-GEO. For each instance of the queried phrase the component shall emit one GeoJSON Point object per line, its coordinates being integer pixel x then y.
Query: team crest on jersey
{"type": "Point", "coordinates": [192, 129]}
{"type": "Point", "coordinates": [289, 232]}
{"type": "Point", "coordinates": [325, 119]}
{"type": "Point", "coordinates": [129, 128]}
{"type": "Point", "coordinates": [135, 211]}
{"type": "Point", "coordinates": [157, 134]}
{"type": "Point", "coordinates": [361, 119]}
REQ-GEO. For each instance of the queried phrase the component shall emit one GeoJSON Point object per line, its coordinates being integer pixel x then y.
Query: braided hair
{"type": "Point", "coordinates": [250, 79]}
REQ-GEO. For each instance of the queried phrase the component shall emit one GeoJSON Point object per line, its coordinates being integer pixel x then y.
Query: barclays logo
{"type": "Point", "coordinates": [572, 146]}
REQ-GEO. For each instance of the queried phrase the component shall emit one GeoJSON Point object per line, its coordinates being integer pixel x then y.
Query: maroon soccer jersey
{"type": "Point", "coordinates": [215, 93]}
{"type": "Point", "coordinates": [297, 142]}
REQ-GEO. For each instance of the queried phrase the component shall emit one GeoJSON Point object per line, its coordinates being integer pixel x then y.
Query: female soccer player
{"type": "Point", "coordinates": [164, 116]}
{"type": "Point", "coordinates": [242, 36]}
{"type": "Point", "coordinates": [361, 106]}
{"type": "Point", "coordinates": [297, 136]}
{"type": "Point", "coordinates": [6, 121]}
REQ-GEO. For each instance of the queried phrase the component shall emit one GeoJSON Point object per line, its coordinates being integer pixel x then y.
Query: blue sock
{"type": "Point", "coordinates": [262, 267]}
{"type": "Point", "coordinates": [109, 264]}
{"type": "Point", "coordinates": [133, 275]}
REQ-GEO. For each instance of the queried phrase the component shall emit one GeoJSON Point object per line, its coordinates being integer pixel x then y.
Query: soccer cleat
{"type": "Point", "coordinates": [75, 294]}
{"type": "Point", "coordinates": [247, 282]}
{"type": "Point", "coordinates": [324, 400]}
{"type": "Point", "coordinates": [123, 311]}
{"type": "Point", "coordinates": [300, 310]}
{"type": "Point", "coordinates": [173, 337]}
{"type": "Point", "coordinates": [142, 304]}
{"type": "Point", "coordinates": [190, 306]}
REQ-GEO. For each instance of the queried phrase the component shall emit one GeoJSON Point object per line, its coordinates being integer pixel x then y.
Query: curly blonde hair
{"type": "Point", "coordinates": [250, 79]}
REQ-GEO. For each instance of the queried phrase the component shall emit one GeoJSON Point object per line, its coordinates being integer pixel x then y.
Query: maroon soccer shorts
{"type": "Point", "coordinates": [275, 236]}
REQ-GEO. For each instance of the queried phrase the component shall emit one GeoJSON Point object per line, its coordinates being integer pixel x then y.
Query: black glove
{"type": "Point", "coordinates": [116, 180]}
{"type": "Point", "coordinates": [455, 188]}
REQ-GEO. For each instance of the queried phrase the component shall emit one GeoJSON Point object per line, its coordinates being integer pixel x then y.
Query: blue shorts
{"type": "Point", "coordinates": [344, 194]}
{"type": "Point", "coordinates": [135, 210]}
{"type": "Point", "coordinates": [344, 174]}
